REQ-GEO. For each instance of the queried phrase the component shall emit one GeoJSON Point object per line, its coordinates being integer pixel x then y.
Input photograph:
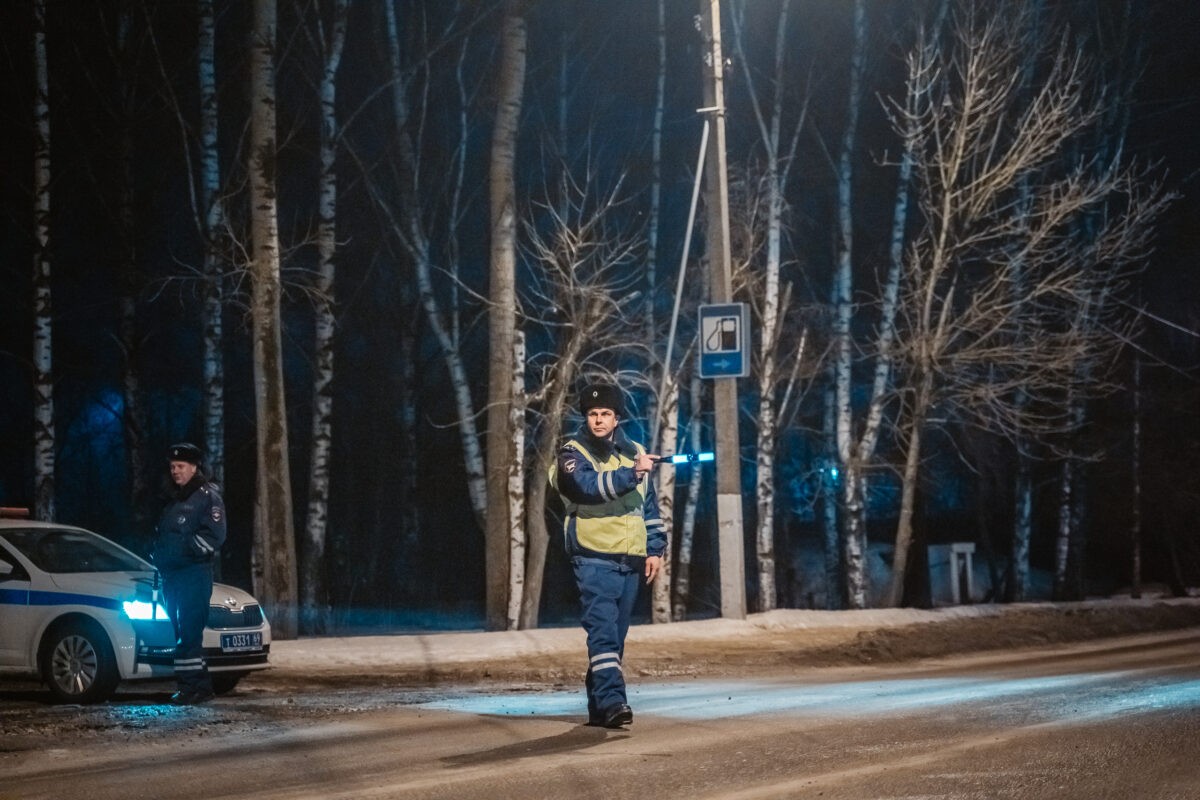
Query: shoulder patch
{"type": "Point", "coordinates": [569, 466]}
{"type": "Point", "coordinates": [216, 513]}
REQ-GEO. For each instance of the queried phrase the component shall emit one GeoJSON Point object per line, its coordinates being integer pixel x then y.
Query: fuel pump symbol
{"type": "Point", "coordinates": [723, 336]}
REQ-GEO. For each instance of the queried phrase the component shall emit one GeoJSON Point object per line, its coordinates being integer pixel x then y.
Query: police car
{"type": "Point", "coordinates": [85, 614]}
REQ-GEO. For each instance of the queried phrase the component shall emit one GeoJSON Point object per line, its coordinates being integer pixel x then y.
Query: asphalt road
{"type": "Point", "coordinates": [1115, 719]}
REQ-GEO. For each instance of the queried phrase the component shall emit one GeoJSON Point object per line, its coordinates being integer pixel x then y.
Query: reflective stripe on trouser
{"type": "Point", "coordinates": [188, 592]}
{"type": "Point", "coordinates": [607, 591]}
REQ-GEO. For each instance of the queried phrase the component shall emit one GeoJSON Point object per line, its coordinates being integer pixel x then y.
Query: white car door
{"type": "Point", "coordinates": [17, 617]}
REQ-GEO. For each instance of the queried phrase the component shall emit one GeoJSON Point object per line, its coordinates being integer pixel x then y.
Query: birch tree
{"type": "Point", "coordinates": [655, 209]}
{"type": "Point", "coordinates": [1120, 61]}
{"type": "Point", "coordinates": [966, 341]}
{"type": "Point", "coordinates": [502, 299]}
{"type": "Point", "coordinates": [43, 352]}
{"type": "Point", "coordinates": [682, 596]}
{"type": "Point", "coordinates": [853, 529]}
{"type": "Point", "coordinates": [1018, 573]}
{"type": "Point", "coordinates": [212, 226]}
{"type": "Point", "coordinates": [779, 149]}
{"type": "Point", "coordinates": [415, 238]}
{"type": "Point", "coordinates": [855, 436]}
{"type": "Point", "coordinates": [274, 538]}
{"type": "Point", "coordinates": [332, 39]}
{"type": "Point", "coordinates": [517, 537]}
{"type": "Point", "coordinates": [664, 491]}
{"type": "Point", "coordinates": [755, 229]}
{"type": "Point", "coordinates": [665, 414]}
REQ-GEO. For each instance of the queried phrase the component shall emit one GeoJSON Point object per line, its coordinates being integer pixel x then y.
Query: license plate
{"type": "Point", "coordinates": [241, 642]}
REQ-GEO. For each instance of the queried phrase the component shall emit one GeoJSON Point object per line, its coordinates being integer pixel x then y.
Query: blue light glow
{"type": "Point", "coordinates": [141, 610]}
{"type": "Point", "coordinates": [1060, 698]}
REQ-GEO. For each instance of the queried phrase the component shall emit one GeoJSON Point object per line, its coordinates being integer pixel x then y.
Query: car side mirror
{"type": "Point", "coordinates": [6, 570]}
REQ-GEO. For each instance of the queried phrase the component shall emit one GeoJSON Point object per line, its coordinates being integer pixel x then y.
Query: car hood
{"type": "Point", "coordinates": [117, 585]}
{"type": "Point", "coordinates": [231, 596]}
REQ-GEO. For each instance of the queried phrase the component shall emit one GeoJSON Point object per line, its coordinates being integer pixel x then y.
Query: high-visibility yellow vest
{"type": "Point", "coordinates": [617, 526]}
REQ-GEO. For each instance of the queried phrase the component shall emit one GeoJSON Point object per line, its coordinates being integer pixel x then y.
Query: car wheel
{"type": "Point", "coordinates": [226, 682]}
{"type": "Point", "coordinates": [78, 663]}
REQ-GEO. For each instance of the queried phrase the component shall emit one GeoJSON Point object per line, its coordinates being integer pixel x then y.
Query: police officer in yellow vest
{"type": "Point", "coordinates": [614, 536]}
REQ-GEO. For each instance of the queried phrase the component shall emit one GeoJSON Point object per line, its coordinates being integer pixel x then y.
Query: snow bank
{"type": "Point", "coordinates": [425, 651]}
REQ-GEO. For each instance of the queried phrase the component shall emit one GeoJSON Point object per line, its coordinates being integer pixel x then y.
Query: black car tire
{"type": "Point", "coordinates": [77, 662]}
{"type": "Point", "coordinates": [226, 682]}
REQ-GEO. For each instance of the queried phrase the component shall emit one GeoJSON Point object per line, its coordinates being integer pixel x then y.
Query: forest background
{"type": "Point", "coordinates": [965, 231]}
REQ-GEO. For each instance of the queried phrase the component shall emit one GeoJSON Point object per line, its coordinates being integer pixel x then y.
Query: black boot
{"type": "Point", "coordinates": [618, 716]}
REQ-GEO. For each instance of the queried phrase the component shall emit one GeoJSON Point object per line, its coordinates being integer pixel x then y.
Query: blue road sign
{"type": "Point", "coordinates": [724, 340]}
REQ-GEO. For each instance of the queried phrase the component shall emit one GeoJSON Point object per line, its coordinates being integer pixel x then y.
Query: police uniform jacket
{"type": "Point", "coordinates": [192, 526]}
{"type": "Point", "coordinates": [609, 512]}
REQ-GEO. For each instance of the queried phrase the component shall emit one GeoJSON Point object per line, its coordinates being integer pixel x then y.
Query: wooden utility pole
{"type": "Point", "coordinates": [728, 456]}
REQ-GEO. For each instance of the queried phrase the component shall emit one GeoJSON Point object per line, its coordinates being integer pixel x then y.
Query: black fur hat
{"type": "Point", "coordinates": [185, 451]}
{"type": "Point", "coordinates": [600, 395]}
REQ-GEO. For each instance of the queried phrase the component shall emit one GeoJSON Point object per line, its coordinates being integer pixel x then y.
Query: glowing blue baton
{"type": "Point", "coordinates": [686, 458]}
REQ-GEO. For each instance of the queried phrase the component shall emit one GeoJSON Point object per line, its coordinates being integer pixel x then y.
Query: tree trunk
{"type": "Point", "coordinates": [1062, 537]}
{"type": "Point", "coordinates": [687, 530]}
{"type": "Point", "coordinates": [908, 493]}
{"type": "Point", "coordinates": [853, 533]}
{"type": "Point", "coordinates": [660, 600]}
{"type": "Point", "coordinates": [315, 602]}
{"type": "Point", "coordinates": [764, 482]}
{"type": "Point", "coordinates": [652, 224]}
{"type": "Point", "coordinates": [1135, 468]}
{"type": "Point", "coordinates": [538, 539]}
{"type": "Point", "coordinates": [664, 431]}
{"type": "Point", "coordinates": [1077, 562]}
{"type": "Point", "coordinates": [1018, 568]}
{"type": "Point", "coordinates": [535, 517]}
{"type": "Point", "coordinates": [768, 428]}
{"type": "Point", "coordinates": [274, 538]}
{"type": "Point", "coordinates": [43, 354]}
{"type": "Point", "coordinates": [502, 298]}
{"type": "Point", "coordinates": [401, 569]}
{"type": "Point", "coordinates": [835, 576]}
{"type": "Point", "coordinates": [128, 283]}
{"type": "Point", "coordinates": [213, 220]}
{"type": "Point", "coordinates": [535, 509]}
{"type": "Point", "coordinates": [517, 542]}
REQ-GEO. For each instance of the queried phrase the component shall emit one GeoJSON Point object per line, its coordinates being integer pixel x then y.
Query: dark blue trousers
{"type": "Point", "coordinates": [607, 591]}
{"type": "Point", "coordinates": [187, 591]}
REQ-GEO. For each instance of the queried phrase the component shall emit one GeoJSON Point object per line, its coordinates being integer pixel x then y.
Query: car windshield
{"type": "Point", "coordinates": [58, 550]}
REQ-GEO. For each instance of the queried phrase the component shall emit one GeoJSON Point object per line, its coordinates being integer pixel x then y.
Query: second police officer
{"type": "Point", "coordinates": [188, 537]}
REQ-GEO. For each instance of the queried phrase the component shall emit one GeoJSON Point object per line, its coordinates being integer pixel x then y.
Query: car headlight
{"type": "Point", "coordinates": [140, 609]}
